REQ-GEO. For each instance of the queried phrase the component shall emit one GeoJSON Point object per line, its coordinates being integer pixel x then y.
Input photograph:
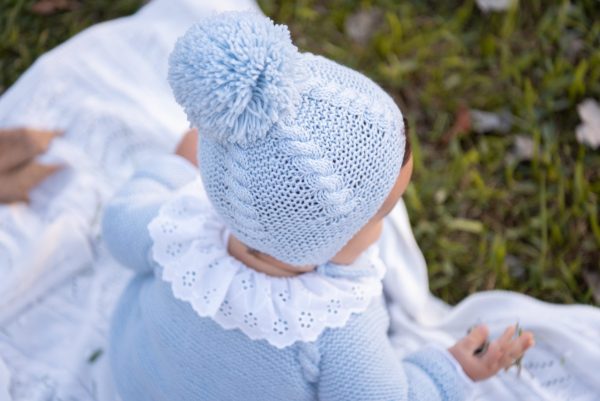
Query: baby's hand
{"type": "Point", "coordinates": [481, 360]}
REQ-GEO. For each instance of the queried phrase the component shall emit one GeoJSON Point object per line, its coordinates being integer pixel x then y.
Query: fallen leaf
{"type": "Point", "coordinates": [523, 149]}
{"type": "Point", "coordinates": [485, 121]}
{"type": "Point", "coordinates": [20, 145]}
{"type": "Point", "coordinates": [588, 133]}
{"type": "Point", "coordinates": [49, 7]}
{"type": "Point", "coordinates": [15, 185]}
{"type": "Point", "coordinates": [361, 25]}
{"type": "Point", "coordinates": [494, 5]}
{"type": "Point", "coordinates": [462, 124]}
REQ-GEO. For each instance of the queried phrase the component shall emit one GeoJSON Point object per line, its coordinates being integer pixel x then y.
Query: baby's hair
{"type": "Point", "coordinates": [407, 148]}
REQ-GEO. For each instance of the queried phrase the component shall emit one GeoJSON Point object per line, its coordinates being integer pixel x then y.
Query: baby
{"type": "Point", "coordinates": [262, 280]}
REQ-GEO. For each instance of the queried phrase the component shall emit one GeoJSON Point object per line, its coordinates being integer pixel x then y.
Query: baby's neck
{"type": "Point", "coordinates": [262, 262]}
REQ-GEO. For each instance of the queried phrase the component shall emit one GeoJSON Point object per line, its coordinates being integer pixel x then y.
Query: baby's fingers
{"type": "Point", "coordinates": [506, 337]}
{"type": "Point", "coordinates": [517, 348]}
{"type": "Point", "coordinates": [492, 359]}
{"type": "Point", "coordinates": [474, 340]}
{"type": "Point", "coordinates": [498, 351]}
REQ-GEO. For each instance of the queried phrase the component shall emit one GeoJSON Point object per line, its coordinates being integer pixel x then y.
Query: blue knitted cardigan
{"type": "Point", "coordinates": [160, 349]}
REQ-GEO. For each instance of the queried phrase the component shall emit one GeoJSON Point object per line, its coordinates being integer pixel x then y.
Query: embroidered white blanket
{"type": "Point", "coordinates": [107, 89]}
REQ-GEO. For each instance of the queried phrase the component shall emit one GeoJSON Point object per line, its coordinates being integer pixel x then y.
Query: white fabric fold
{"type": "Point", "coordinates": [4, 382]}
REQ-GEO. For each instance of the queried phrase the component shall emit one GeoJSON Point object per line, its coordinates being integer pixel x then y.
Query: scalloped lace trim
{"type": "Point", "coordinates": [190, 243]}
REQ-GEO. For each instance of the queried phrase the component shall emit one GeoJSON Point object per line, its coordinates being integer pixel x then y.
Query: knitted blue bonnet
{"type": "Point", "coordinates": [296, 152]}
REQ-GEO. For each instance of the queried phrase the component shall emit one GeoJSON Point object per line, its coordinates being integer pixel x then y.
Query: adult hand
{"type": "Point", "coordinates": [19, 172]}
{"type": "Point", "coordinates": [20, 145]}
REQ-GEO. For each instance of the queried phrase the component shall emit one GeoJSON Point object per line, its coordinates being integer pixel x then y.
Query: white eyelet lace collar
{"type": "Point", "coordinates": [190, 243]}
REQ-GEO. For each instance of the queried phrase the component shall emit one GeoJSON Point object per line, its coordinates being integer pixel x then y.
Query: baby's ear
{"type": "Point", "coordinates": [188, 146]}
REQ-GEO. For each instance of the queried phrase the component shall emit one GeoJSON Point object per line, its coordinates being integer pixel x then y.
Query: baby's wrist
{"type": "Point", "coordinates": [455, 360]}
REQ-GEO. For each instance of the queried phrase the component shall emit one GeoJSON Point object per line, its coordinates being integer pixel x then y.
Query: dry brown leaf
{"type": "Point", "coordinates": [462, 124]}
{"type": "Point", "coordinates": [20, 145]}
{"type": "Point", "coordinates": [16, 184]}
{"type": "Point", "coordinates": [49, 7]}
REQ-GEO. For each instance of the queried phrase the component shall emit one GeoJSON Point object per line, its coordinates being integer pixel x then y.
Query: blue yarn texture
{"type": "Point", "coordinates": [297, 152]}
{"type": "Point", "coordinates": [161, 350]}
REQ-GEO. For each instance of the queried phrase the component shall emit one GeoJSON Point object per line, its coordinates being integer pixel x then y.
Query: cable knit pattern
{"type": "Point", "coordinates": [162, 350]}
{"type": "Point", "coordinates": [336, 199]}
{"type": "Point", "coordinates": [301, 189]}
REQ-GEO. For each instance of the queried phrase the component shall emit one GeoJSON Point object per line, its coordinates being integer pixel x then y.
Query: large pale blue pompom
{"type": "Point", "coordinates": [233, 75]}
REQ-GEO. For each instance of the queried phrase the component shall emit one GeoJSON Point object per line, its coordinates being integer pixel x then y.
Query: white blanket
{"type": "Point", "coordinates": [106, 87]}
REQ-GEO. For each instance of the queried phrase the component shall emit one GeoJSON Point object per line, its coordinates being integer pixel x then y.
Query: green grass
{"type": "Point", "coordinates": [482, 222]}
{"type": "Point", "coordinates": [24, 36]}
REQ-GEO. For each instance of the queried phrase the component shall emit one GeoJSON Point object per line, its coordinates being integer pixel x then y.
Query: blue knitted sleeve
{"type": "Point", "coordinates": [126, 217]}
{"type": "Point", "coordinates": [358, 363]}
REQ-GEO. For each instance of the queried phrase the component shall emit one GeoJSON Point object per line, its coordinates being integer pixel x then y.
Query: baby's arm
{"type": "Point", "coordinates": [359, 363]}
{"type": "Point", "coordinates": [126, 217]}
